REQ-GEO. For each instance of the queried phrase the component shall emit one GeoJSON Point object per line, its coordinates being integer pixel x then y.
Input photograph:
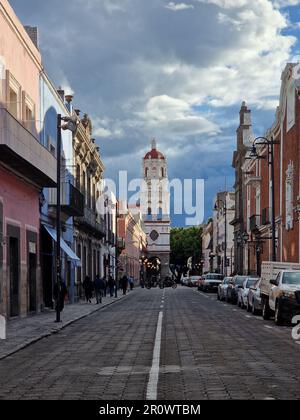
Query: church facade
{"type": "Point", "coordinates": [156, 214]}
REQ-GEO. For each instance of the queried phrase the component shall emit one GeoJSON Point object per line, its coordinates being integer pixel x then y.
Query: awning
{"type": "Point", "coordinates": [64, 246]}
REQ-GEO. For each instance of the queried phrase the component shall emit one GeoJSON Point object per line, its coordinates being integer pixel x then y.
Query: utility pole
{"type": "Point", "coordinates": [58, 220]}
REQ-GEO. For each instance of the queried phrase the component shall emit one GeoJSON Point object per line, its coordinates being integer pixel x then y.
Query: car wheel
{"type": "Point", "coordinates": [278, 314]}
{"type": "Point", "coordinates": [266, 310]}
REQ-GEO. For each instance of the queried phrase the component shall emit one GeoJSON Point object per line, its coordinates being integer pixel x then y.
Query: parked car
{"type": "Point", "coordinates": [280, 290]}
{"type": "Point", "coordinates": [210, 282]}
{"type": "Point", "coordinates": [243, 291]}
{"type": "Point", "coordinates": [254, 299]}
{"type": "Point", "coordinates": [194, 281]}
{"type": "Point", "coordinates": [184, 280]}
{"type": "Point", "coordinates": [233, 287]}
{"type": "Point", "coordinates": [222, 289]}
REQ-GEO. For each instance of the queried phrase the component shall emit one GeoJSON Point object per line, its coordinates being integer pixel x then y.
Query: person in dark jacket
{"type": "Point", "coordinates": [100, 286]}
{"type": "Point", "coordinates": [60, 292]}
{"type": "Point", "coordinates": [111, 285]}
{"type": "Point", "coordinates": [124, 284]}
{"type": "Point", "coordinates": [88, 289]}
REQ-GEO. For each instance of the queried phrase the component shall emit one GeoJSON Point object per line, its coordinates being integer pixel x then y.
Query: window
{"type": "Point", "coordinates": [78, 176]}
{"type": "Point", "coordinates": [290, 113]}
{"type": "Point", "coordinates": [162, 172]}
{"type": "Point", "coordinates": [289, 197]}
{"type": "Point", "coordinates": [83, 187]}
{"type": "Point", "coordinates": [13, 99]}
{"type": "Point", "coordinates": [28, 111]}
{"type": "Point", "coordinates": [13, 103]}
{"type": "Point", "coordinates": [89, 190]}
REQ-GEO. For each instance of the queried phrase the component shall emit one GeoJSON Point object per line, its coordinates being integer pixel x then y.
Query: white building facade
{"type": "Point", "coordinates": [155, 200]}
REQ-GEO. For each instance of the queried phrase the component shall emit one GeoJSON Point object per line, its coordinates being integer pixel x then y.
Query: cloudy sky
{"type": "Point", "coordinates": [177, 71]}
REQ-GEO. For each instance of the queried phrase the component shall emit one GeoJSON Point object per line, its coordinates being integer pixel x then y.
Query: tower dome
{"type": "Point", "coordinates": [154, 153]}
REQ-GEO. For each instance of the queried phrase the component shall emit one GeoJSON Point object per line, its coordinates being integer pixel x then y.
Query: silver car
{"type": "Point", "coordinates": [254, 300]}
{"type": "Point", "coordinates": [243, 291]}
{"type": "Point", "coordinates": [222, 289]}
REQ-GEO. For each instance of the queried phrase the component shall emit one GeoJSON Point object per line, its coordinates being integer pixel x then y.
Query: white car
{"type": "Point", "coordinates": [243, 291]}
{"type": "Point", "coordinates": [194, 281]}
{"type": "Point", "coordinates": [184, 280]}
{"type": "Point", "coordinates": [222, 289]}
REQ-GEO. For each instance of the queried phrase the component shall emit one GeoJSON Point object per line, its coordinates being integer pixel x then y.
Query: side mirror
{"type": "Point", "coordinates": [273, 282]}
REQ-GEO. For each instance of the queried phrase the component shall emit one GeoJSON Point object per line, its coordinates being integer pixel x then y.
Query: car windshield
{"type": "Point", "coordinates": [251, 283]}
{"type": "Point", "coordinates": [239, 281]}
{"type": "Point", "coordinates": [214, 277]}
{"type": "Point", "coordinates": [291, 278]}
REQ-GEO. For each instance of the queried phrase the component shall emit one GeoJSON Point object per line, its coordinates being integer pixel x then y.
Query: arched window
{"type": "Point", "coordinates": [146, 172]}
{"type": "Point", "coordinates": [162, 172]}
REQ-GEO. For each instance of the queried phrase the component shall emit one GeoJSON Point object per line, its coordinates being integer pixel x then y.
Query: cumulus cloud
{"type": "Point", "coordinates": [141, 71]}
{"type": "Point", "coordinates": [175, 7]}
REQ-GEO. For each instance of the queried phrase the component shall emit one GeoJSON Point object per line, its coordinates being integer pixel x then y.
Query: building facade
{"type": "Point", "coordinates": [133, 238]}
{"type": "Point", "coordinates": [244, 142]}
{"type": "Point", "coordinates": [207, 248]}
{"type": "Point", "coordinates": [285, 131]}
{"type": "Point", "coordinates": [223, 233]}
{"type": "Point", "coordinates": [91, 229]}
{"type": "Point", "coordinates": [26, 167]}
{"type": "Point", "coordinates": [155, 198]}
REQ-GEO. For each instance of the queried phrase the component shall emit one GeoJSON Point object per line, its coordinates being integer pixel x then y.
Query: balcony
{"type": "Point", "coordinates": [265, 216]}
{"type": "Point", "coordinates": [254, 222]}
{"type": "Point", "coordinates": [91, 222]}
{"type": "Point", "coordinates": [21, 151]}
{"type": "Point", "coordinates": [72, 201]}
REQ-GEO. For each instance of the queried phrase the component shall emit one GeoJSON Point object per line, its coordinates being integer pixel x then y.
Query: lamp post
{"type": "Point", "coordinates": [263, 141]}
{"type": "Point", "coordinates": [224, 204]}
{"type": "Point", "coordinates": [70, 123]}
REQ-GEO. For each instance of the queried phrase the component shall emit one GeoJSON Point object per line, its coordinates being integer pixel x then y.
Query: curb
{"type": "Point", "coordinates": [59, 328]}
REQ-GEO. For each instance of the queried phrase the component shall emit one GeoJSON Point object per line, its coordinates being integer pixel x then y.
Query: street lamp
{"type": "Point", "coordinates": [263, 141]}
{"type": "Point", "coordinates": [71, 124]}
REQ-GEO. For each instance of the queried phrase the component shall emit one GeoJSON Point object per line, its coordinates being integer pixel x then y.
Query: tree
{"type": "Point", "coordinates": [185, 243]}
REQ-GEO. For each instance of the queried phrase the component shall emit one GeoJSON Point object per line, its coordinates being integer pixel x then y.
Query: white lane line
{"type": "Point", "coordinates": [162, 307]}
{"type": "Point", "coordinates": [269, 327]}
{"type": "Point", "coordinates": [154, 372]}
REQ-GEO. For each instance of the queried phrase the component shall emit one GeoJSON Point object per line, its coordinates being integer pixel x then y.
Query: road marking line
{"type": "Point", "coordinates": [269, 327]}
{"type": "Point", "coordinates": [154, 372]}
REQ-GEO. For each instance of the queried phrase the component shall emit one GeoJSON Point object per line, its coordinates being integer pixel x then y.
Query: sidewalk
{"type": "Point", "coordinates": [23, 332]}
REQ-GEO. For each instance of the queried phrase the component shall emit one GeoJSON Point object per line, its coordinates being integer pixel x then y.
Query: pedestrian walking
{"type": "Point", "coordinates": [88, 289]}
{"type": "Point", "coordinates": [124, 284]}
{"type": "Point", "coordinates": [60, 292]}
{"type": "Point", "coordinates": [111, 286]}
{"type": "Point", "coordinates": [100, 286]}
{"type": "Point", "coordinates": [131, 283]}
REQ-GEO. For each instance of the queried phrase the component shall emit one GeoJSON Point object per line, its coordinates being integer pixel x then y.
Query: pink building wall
{"type": "Point", "coordinates": [20, 203]}
{"type": "Point", "coordinates": [19, 54]}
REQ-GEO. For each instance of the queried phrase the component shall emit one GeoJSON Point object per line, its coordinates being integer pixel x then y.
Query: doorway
{"type": "Point", "coordinates": [14, 265]}
{"type": "Point", "coordinates": [32, 282]}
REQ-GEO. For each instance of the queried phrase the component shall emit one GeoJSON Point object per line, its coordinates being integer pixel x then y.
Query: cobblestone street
{"type": "Point", "coordinates": [209, 350]}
